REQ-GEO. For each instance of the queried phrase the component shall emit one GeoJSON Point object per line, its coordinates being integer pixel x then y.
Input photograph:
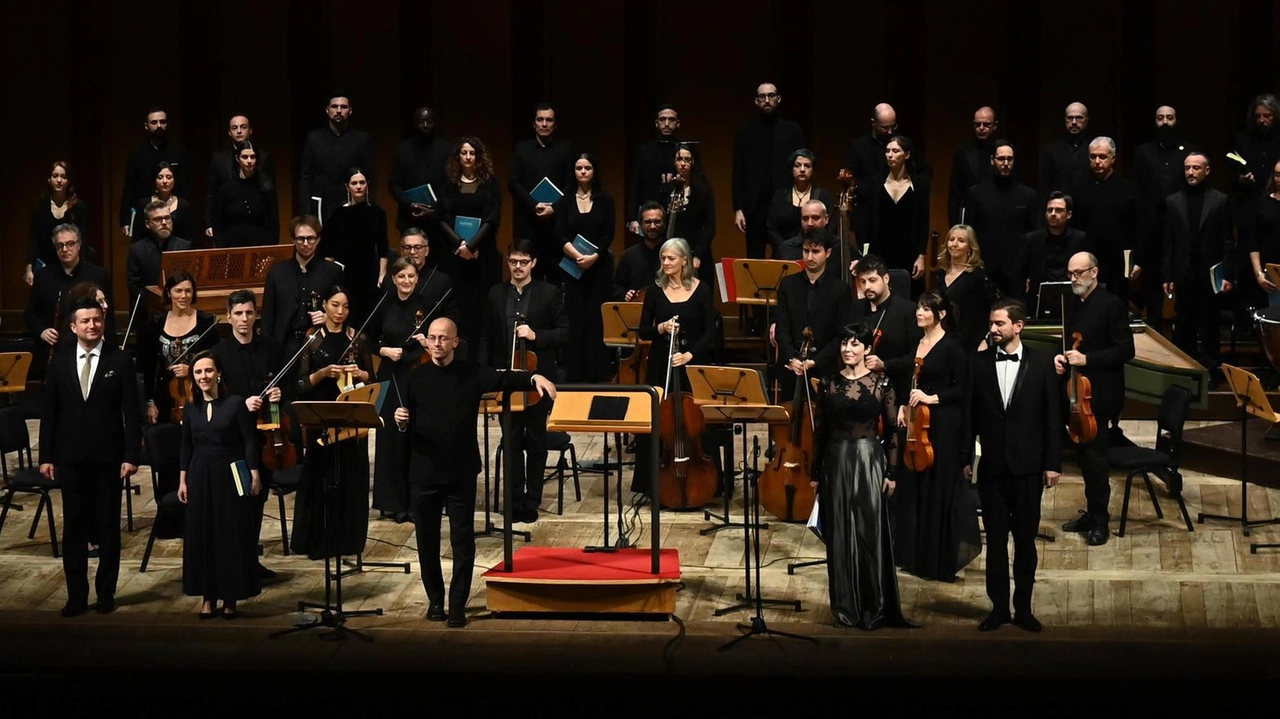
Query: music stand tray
{"type": "Point", "coordinates": [1251, 398]}
{"type": "Point", "coordinates": [756, 281]}
{"type": "Point", "coordinates": [14, 367]}
{"type": "Point", "coordinates": [330, 417]}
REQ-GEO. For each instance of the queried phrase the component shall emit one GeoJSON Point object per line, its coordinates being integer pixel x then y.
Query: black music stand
{"type": "Point", "coordinates": [329, 418]}
{"type": "Point", "coordinates": [14, 367]}
{"type": "Point", "coordinates": [757, 624]}
{"type": "Point", "coordinates": [492, 404]}
{"type": "Point", "coordinates": [1251, 398]}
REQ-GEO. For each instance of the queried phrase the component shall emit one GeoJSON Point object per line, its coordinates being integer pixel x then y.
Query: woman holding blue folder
{"type": "Point", "coordinates": [584, 227]}
{"type": "Point", "coordinates": [472, 209]}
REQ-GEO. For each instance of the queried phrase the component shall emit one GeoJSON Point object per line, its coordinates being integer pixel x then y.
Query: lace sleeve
{"type": "Point", "coordinates": [889, 413]}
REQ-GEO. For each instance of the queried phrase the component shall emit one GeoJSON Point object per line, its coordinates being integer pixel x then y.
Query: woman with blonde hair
{"type": "Point", "coordinates": [961, 277]}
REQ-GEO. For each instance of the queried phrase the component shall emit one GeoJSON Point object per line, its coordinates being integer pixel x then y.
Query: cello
{"type": "Point", "coordinates": [918, 454]}
{"type": "Point", "coordinates": [1082, 426]}
{"type": "Point", "coordinates": [686, 476]}
{"type": "Point", "coordinates": [784, 487]}
{"type": "Point", "coordinates": [845, 204]}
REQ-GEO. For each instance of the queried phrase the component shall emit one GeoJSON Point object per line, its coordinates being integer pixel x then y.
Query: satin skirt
{"type": "Point", "coordinates": [861, 578]}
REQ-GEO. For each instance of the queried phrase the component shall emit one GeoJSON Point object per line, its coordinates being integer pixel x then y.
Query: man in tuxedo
{"type": "Point", "coordinates": [972, 164]}
{"type": "Point", "coordinates": [1046, 251]}
{"type": "Point", "coordinates": [543, 156]}
{"type": "Point", "coordinates": [328, 154]}
{"type": "Point", "coordinates": [528, 311]}
{"type": "Point", "coordinates": [1106, 344]}
{"type": "Point", "coordinates": [223, 167]}
{"type": "Point", "coordinates": [760, 151]}
{"type": "Point", "coordinates": [1015, 417]}
{"type": "Point", "coordinates": [1198, 234]}
{"type": "Point", "coordinates": [894, 346]}
{"type": "Point", "coordinates": [90, 385]}
{"type": "Point", "coordinates": [653, 166]}
{"type": "Point", "coordinates": [48, 301]}
{"type": "Point", "coordinates": [817, 300]}
{"type": "Point", "coordinates": [1002, 210]}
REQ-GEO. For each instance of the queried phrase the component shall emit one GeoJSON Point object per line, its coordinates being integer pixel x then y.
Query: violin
{"type": "Point", "coordinates": [523, 359]}
{"type": "Point", "coordinates": [918, 455]}
{"type": "Point", "coordinates": [419, 319]}
{"type": "Point", "coordinates": [848, 183]}
{"type": "Point", "coordinates": [315, 304]}
{"type": "Point", "coordinates": [1082, 426]}
{"type": "Point", "coordinates": [784, 487]}
{"type": "Point", "coordinates": [278, 450]}
{"type": "Point", "coordinates": [179, 387]}
{"type": "Point", "coordinates": [686, 476]}
{"type": "Point", "coordinates": [675, 203]}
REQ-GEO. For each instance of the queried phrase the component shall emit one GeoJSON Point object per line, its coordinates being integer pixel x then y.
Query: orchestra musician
{"type": "Point", "coordinates": [433, 285]}
{"type": "Point", "coordinates": [639, 263]}
{"type": "Point", "coordinates": [696, 220]}
{"type": "Point", "coordinates": [48, 303]}
{"type": "Point", "coordinates": [168, 344]}
{"type": "Point", "coordinates": [287, 311]}
{"type": "Point", "coordinates": [815, 299]}
{"type": "Point", "coordinates": [894, 316]}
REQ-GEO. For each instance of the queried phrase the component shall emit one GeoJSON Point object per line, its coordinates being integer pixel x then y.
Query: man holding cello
{"type": "Point", "coordinates": [1097, 343]}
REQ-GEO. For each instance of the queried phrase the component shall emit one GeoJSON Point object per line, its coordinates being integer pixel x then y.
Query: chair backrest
{"type": "Point", "coordinates": [164, 443]}
{"type": "Point", "coordinates": [900, 283]}
{"type": "Point", "coordinates": [14, 436]}
{"type": "Point", "coordinates": [1172, 416]}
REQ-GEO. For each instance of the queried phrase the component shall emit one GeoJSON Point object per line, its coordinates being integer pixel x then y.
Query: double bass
{"type": "Point", "coordinates": [918, 454]}
{"type": "Point", "coordinates": [784, 487]}
{"type": "Point", "coordinates": [1082, 426]}
{"type": "Point", "coordinates": [686, 476]}
{"type": "Point", "coordinates": [845, 204]}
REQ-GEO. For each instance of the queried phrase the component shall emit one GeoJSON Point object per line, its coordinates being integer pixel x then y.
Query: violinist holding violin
{"type": "Point", "coordinates": [248, 363]}
{"type": "Point", "coordinates": [817, 299]}
{"type": "Point", "coordinates": [1101, 320]}
{"type": "Point", "coordinates": [169, 343]}
{"type": "Point", "coordinates": [525, 329]}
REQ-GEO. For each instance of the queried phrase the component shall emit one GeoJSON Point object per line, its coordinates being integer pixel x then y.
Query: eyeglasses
{"type": "Point", "coordinates": [306, 240]}
{"type": "Point", "coordinates": [518, 263]}
{"type": "Point", "coordinates": [413, 248]}
{"type": "Point", "coordinates": [66, 245]}
{"type": "Point", "coordinates": [984, 124]}
{"type": "Point", "coordinates": [1077, 274]}
{"type": "Point", "coordinates": [438, 339]}
{"type": "Point", "coordinates": [163, 220]}
{"type": "Point", "coordinates": [767, 96]}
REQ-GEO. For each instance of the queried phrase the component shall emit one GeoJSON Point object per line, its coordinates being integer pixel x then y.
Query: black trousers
{"type": "Point", "coordinates": [1196, 311]}
{"type": "Point", "coordinates": [91, 499]}
{"type": "Point", "coordinates": [757, 235]}
{"type": "Point", "coordinates": [458, 502]}
{"type": "Point", "coordinates": [529, 428]}
{"type": "Point", "coordinates": [1097, 472]}
{"type": "Point", "coordinates": [1010, 505]}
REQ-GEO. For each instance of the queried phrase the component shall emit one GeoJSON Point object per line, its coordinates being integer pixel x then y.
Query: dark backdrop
{"type": "Point", "coordinates": [82, 75]}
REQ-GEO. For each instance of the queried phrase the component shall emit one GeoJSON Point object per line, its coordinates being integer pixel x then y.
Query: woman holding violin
{"type": "Point", "coordinates": [854, 469]}
{"type": "Point", "coordinates": [402, 344]}
{"type": "Point", "coordinates": [936, 507]}
{"type": "Point", "coordinates": [335, 361]}
{"type": "Point", "coordinates": [168, 344]}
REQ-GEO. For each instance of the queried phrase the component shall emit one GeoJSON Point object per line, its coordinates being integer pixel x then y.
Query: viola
{"type": "Point", "coordinates": [784, 487]}
{"type": "Point", "coordinates": [523, 359]}
{"type": "Point", "coordinates": [179, 387]}
{"type": "Point", "coordinates": [918, 455]}
{"type": "Point", "coordinates": [686, 476]}
{"type": "Point", "coordinates": [419, 319]}
{"type": "Point", "coordinates": [1082, 426]}
{"type": "Point", "coordinates": [278, 451]}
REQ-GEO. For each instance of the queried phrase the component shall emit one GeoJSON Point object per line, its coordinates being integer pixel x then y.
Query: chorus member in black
{"type": "Point", "coordinates": [180, 209]}
{"type": "Point", "coordinates": [418, 161]}
{"type": "Point", "coordinates": [329, 154]}
{"type": "Point", "coordinates": [247, 363]}
{"type": "Point", "coordinates": [337, 362]}
{"type": "Point", "coordinates": [695, 218]}
{"type": "Point", "coordinates": [291, 298]}
{"type": "Point", "coordinates": [224, 167]}
{"type": "Point", "coordinates": [244, 212]}
{"type": "Point", "coordinates": [1106, 344]}
{"type": "Point", "coordinates": [760, 167]}
{"type": "Point", "coordinates": [473, 264]}
{"type": "Point", "coordinates": [638, 266]}
{"type": "Point", "coordinates": [971, 164]}
{"type": "Point", "coordinates": [219, 548]}
{"type": "Point", "coordinates": [140, 172]}
{"type": "Point", "coordinates": [1045, 252]}
{"type": "Point", "coordinates": [355, 237]}
{"type": "Point", "coordinates": [865, 159]}
{"type": "Point", "coordinates": [1001, 211]}
{"type": "Point", "coordinates": [892, 319]}
{"type": "Point", "coordinates": [442, 402]}
{"type": "Point", "coordinates": [1259, 145]}
{"type": "Point", "coordinates": [167, 344]}
{"type": "Point", "coordinates": [783, 218]}
{"type": "Point", "coordinates": [816, 300]}
{"type": "Point", "coordinates": [1157, 170]}
{"type": "Point", "coordinates": [143, 265]}
{"type": "Point", "coordinates": [854, 469]}
{"type": "Point", "coordinates": [542, 156]}
{"type": "Point", "coordinates": [526, 312]}
{"type": "Point", "coordinates": [48, 305]}
{"type": "Point", "coordinates": [1064, 163]}
{"type": "Point", "coordinates": [1015, 417]}
{"type": "Point", "coordinates": [935, 511]}
{"type": "Point", "coordinates": [1198, 234]}
{"type": "Point", "coordinates": [1263, 239]}
{"type": "Point", "coordinates": [90, 385]}
{"type": "Point", "coordinates": [591, 215]}
{"type": "Point", "coordinates": [58, 205]}
{"type": "Point", "coordinates": [402, 343]}
{"type": "Point", "coordinates": [962, 277]}
{"type": "Point", "coordinates": [651, 166]}
{"type": "Point", "coordinates": [1106, 208]}
{"type": "Point", "coordinates": [898, 230]}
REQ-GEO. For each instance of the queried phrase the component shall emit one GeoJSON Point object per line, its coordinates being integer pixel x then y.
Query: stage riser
{"type": "Point", "coordinates": [581, 598]}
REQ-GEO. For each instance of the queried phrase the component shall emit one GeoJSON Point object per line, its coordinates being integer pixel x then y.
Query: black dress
{"type": "Point", "coordinates": [472, 278]}
{"type": "Point", "coordinates": [970, 302]}
{"type": "Point", "coordinates": [219, 548]}
{"type": "Point", "coordinates": [349, 510]}
{"type": "Point", "coordinates": [853, 462]}
{"type": "Point", "coordinates": [586, 359]}
{"type": "Point", "coordinates": [159, 350]}
{"type": "Point", "coordinates": [355, 236]}
{"type": "Point", "coordinates": [783, 221]}
{"type": "Point", "coordinates": [41, 250]}
{"type": "Point", "coordinates": [899, 231]}
{"type": "Point", "coordinates": [935, 512]}
{"type": "Point", "coordinates": [245, 214]}
{"type": "Point", "coordinates": [391, 455]}
{"type": "Point", "coordinates": [696, 224]}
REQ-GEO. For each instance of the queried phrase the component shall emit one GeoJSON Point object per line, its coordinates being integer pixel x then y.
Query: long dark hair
{"type": "Point", "coordinates": [484, 163]}
{"type": "Point", "coordinates": [72, 197]}
{"type": "Point", "coordinates": [596, 186]}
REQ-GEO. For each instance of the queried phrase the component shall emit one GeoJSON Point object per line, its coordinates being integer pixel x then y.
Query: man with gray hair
{"type": "Point", "coordinates": [1064, 161]}
{"type": "Point", "coordinates": [1106, 209]}
{"type": "Point", "coordinates": [48, 306]}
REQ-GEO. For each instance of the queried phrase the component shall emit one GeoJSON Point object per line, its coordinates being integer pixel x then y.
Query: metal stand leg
{"type": "Point", "coordinates": [1245, 523]}
{"type": "Point", "coordinates": [491, 529]}
{"type": "Point", "coordinates": [606, 546]}
{"type": "Point", "coordinates": [739, 428]}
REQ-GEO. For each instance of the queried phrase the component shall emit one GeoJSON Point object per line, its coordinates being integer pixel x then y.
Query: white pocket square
{"type": "Point", "coordinates": [110, 373]}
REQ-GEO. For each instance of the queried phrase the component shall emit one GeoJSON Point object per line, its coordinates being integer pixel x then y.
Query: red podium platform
{"type": "Point", "coordinates": [573, 580]}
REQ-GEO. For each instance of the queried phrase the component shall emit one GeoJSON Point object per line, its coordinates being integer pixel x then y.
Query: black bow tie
{"type": "Point", "coordinates": [1001, 357]}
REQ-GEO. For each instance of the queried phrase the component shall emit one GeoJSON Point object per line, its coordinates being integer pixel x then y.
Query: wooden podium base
{"type": "Point", "coordinates": [560, 580]}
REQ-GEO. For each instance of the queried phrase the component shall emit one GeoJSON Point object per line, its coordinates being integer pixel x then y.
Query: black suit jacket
{"type": "Point", "coordinates": [971, 166]}
{"type": "Point", "coordinates": [833, 309]}
{"type": "Point", "coordinates": [1031, 263]}
{"type": "Point", "coordinates": [544, 312]}
{"type": "Point", "coordinates": [896, 320]}
{"type": "Point", "coordinates": [1102, 319]}
{"type": "Point", "coordinates": [1001, 215]}
{"type": "Point", "coordinates": [105, 428]}
{"type": "Point", "coordinates": [755, 175]}
{"type": "Point", "coordinates": [1024, 437]}
{"type": "Point", "coordinates": [1212, 231]}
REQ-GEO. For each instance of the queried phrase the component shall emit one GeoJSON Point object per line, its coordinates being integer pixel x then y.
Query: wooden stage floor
{"type": "Point", "coordinates": [1157, 604]}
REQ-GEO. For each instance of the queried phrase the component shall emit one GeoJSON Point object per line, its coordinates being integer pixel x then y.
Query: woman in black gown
{"type": "Point", "coordinates": [1264, 238]}
{"type": "Point", "coordinates": [245, 212]}
{"type": "Point", "coordinates": [169, 342]}
{"type": "Point", "coordinates": [961, 277]}
{"type": "Point", "coordinates": [472, 203]}
{"type": "Point", "coordinates": [339, 355]}
{"type": "Point", "coordinates": [57, 205]}
{"type": "Point", "coordinates": [219, 549]}
{"type": "Point", "coordinates": [184, 218]}
{"type": "Point", "coordinates": [898, 216]}
{"type": "Point", "coordinates": [854, 472]}
{"type": "Point", "coordinates": [935, 512]}
{"type": "Point", "coordinates": [695, 219]}
{"type": "Point", "coordinates": [402, 314]}
{"type": "Point", "coordinates": [783, 220]}
{"type": "Point", "coordinates": [590, 214]}
{"type": "Point", "coordinates": [355, 236]}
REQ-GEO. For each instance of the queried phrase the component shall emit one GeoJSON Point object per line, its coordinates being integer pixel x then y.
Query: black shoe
{"type": "Point", "coordinates": [527, 515]}
{"type": "Point", "coordinates": [1098, 535]}
{"type": "Point", "coordinates": [993, 621]}
{"type": "Point", "coordinates": [74, 609]}
{"type": "Point", "coordinates": [265, 573]}
{"type": "Point", "coordinates": [457, 621]}
{"type": "Point", "coordinates": [106, 605]}
{"type": "Point", "coordinates": [402, 517]}
{"type": "Point", "coordinates": [1081, 524]}
{"type": "Point", "coordinates": [435, 613]}
{"type": "Point", "coordinates": [93, 553]}
{"type": "Point", "coordinates": [1028, 622]}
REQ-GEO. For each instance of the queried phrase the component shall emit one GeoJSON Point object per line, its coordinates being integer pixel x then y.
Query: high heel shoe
{"type": "Point", "coordinates": [209, 614]}
{"type": "Point", "coordinates": [229, 612]}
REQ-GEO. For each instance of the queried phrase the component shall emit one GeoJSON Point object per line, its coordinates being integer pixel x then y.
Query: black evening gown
{"type": "Point", "coordinates": [219, 548]}
{"type": "Point", "coordinates": [935, 512]}
{"type": "Point", "coordinates": [391, 455]}
{"type": "Point", "coordinates": [159, 350]}
{"type": "Point", "coordinates": [853, 462]}
{"type": "Point", "coordinates": [970, 303]}
{"type": "Point", "coordinates": [586, 359]}
{"type": "Point", "coordinates": [356, 237]}
{"type": "Point", "coordinates": [349, 507]}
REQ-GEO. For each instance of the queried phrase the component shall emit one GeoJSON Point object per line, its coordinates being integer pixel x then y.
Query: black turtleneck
{"type": "Point", "coordinates": [1001, 210]}
{"type": "Point", "coordinates": [1064, 163]}
{"type": "Point", "coordinates": [760, 152]}
{"type": "Point", "coordinates": [970, 167]}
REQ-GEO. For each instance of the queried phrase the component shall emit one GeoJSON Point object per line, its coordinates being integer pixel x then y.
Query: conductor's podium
{"type": "Point", "coordinates": [592, 580]}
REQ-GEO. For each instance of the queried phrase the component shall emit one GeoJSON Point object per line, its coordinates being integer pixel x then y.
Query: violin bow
{"type": "Point", "coordinates": [187, 350]}
{"type": "Point", "coordinates": [427, 316]}
{"type": "Point", "coordinates": [367, 320]}
{"type": "Point", "coordinates": [132, 315]}
{"type": "Point", "coordinates": [288, 365]}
